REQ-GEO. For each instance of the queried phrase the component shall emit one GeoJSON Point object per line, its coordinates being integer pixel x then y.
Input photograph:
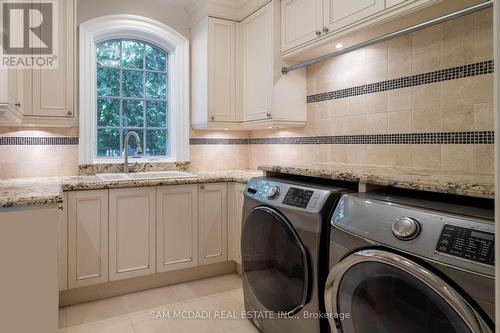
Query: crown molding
{"type": "Point", "coordinates": [234, 10]}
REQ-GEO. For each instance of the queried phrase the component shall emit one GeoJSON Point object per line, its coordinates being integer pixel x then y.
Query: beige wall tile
{"type": "Point", "coordinates": [484, 158]}
{"type": "Point", "coordinates": [483, 117]}
{"type": "Point", "coordinates": [376, 123]}
{"type": "Point", "coordinates": [426, 120]}
{"type": "Point", "coordinates": [458, 118]}
{"type": "Point", "coordinates": [399, 156]}
{"type": "Point", "coordinates": [483, 89]}
{"type": "Point", "coordinates": [483, 35]}
{"type": "Point", "coordinates": [426, 96]}
{"type": "Point", "coordinates": [399, 57]}
{"type": "Point", "coordinates": [377, 52]}
{"type": "Point", "coordinates": [376, 102]}
{"type": "Point", "coordinates": [376, 155]}
{"type": "Point", "coordinates": [457, 157]}
{"type": "Point", "coordinates": [399, 99]}
{"type": "Point", "coordinates": [457, 92]}
{"type": "Point", "coordinates": [426, 156]}
{"type": "Point", "coordinates": [376, 71]}
{"type": "Point", "coordinates": [400, 121]}
{"type": "Point", "coordinates": [426, 59]}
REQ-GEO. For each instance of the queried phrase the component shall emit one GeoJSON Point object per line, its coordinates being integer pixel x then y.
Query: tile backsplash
{"type": "Point", "coordinates": [423, 100]}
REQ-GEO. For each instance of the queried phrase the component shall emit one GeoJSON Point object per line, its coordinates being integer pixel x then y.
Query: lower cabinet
{"type": "Point", "coordinates": [124, 233]}
{"type": "Point", "coordinates": [132, 244]}
{"type": "Point", "coordinates": [176, 227]}
{"type": "Point", "coordinates": [212, 223]}
{"type": "Point", "coordinates": [234, 226]}
{"type": "Point", "coordinates": [87, 238]}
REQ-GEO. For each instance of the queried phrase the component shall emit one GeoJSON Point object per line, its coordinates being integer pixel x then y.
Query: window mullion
{"type": "Point", "coordinates": [120, 131]}
{"type": "Point", "coordinates": [145, 100]}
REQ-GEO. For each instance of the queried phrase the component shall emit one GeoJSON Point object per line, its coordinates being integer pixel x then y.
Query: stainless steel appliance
{"type": "Point", "coordinates": [410, 265]}
{"type": "Point", "coordinates": [284, 246]}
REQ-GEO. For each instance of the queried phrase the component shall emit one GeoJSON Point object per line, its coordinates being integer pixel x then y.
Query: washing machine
{"type": "Point", "coordinates": [400, 264]}
{"type": "Point", "coordinates": [284, 249]}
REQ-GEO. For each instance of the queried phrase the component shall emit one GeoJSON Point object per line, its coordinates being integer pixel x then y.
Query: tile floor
{"type": "Point", "coordinates": [134, 313]}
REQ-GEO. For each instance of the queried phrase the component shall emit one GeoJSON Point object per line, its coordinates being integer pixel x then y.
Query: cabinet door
{"type": "Point", "coordinates": [258, 64]}
{"type": "Point", "coordinates": [339, 14]}
{"type": "Point", "coordinates": [176, 227]}
{"type": "Point", "coordinates": [234, 237]}
{"type": "Point", "coordinates": [221, 76]}
{"type": "Point", "coordinates": [131, 232]}
{"type": "Point", "coordinates": [212, 223]}
{"type": "Point", "coordinates": [87, 238]}
{"type": "Point", "coordinates": [62, 255]}
{"type": "Point", "coordinates": [301, 22]}
{"type": "Point", "coordinates": [53, 89]}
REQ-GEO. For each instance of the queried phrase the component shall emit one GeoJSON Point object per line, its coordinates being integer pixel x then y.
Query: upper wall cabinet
{"type": "Point", "coordinates": [213, 80]}
{"type": "Point", "coordinates": [302, 22]}
{"type": "Point", "coordinates": [44, 97]}
{"type": "Point", "coordinates": [236, 74]}
{"type": "Point", "coordinates": [311, 28]}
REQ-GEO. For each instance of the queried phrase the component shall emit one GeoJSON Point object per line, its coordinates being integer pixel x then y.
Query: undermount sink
{"type": "Point", "coordinates": [144, 175]}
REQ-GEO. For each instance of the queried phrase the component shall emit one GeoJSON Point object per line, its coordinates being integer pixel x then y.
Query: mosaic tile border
{"type": "Point", "coordinates": [480, 68]}
{"type": "Point", "coordinates": [479, 137]}
{"type": "Point", "coordinates": [37, 141]}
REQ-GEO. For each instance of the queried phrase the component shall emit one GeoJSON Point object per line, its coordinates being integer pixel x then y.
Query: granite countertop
{"type": "Point", "coordinates": [467, 184]}
{"type": "Point", "coordinates": [48, 190]}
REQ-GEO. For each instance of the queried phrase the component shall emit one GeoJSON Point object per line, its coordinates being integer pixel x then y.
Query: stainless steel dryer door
{"type": "Point", "coordinates": [383, 292]}
{"type": "Point", "coordinates": [274, 260]}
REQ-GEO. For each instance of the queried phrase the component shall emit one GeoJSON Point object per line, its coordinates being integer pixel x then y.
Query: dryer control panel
{"type": "Point", "coordinates": [467, 243]}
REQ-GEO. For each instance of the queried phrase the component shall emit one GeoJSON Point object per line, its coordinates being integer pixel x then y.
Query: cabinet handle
{"type": "Point", "coordinates": [69, 113]}
{"type": "Point", "coordinates": [18, 104]}
{"type": "Point", "coordinates": [318, 32]}
{"type": "Point", "coordinates": [268, 115]}
{"type": "Point", "coordinates": [202, 187]}
{"type": "Point", "coordinates": [212, 118]}
{"type": "Point", "coordinates": [325, 30]}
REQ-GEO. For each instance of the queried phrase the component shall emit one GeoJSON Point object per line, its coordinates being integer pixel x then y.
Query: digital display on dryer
{"type": "Point", "coordinates": [297, 197]}
{"type": "Point", "coordinates": [467, 244]}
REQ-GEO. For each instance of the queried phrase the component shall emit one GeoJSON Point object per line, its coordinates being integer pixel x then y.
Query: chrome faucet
{"type": "Point", "coordinates": [138, 149]}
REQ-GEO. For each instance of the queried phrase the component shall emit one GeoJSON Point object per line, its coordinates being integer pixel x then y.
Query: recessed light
{"type": "Point", "coordinates": [226, 129]}
{"type": "Point", "coordinates": [339, 45]}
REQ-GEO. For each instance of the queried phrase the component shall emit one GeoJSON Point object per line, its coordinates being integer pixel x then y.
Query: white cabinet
{"type": "Point", "coordinates": [176, 227]}
{"type": "Point", "coordinates": [45, 97]}
{"type": "Point", "coordinates": [340, 14]}
{"type": "Point", "coordinates": [62, 254]}
{"type": "Point", "coordinates": [235, 198]}
{"type": "Point", "coordinates": [270, 99]}
{"type": "Point", "coordinates": [213, 72]}
{"type": "Point", "coordinates": [131, 232]}
{"type": "Point", "coordinates": [87, 238]}
{"type": "Point", "coordinates": [28, 253]}
{"type": "Point", "coordinates": [258, 64]}
{"type": "Point", "coordinates": [52, 90]}
{"type": "Point", "coordinates": [301, 22]}
{"type": "Point", "coordinates": [236, 78]}
{"type": "Point", "coordinates": [315, 29]}
{"type": "Point", "coordinates": [212, 223]}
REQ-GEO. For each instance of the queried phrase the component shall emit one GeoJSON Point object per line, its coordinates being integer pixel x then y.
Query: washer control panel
{"type": "Point", "coordinates": [467, 243]}
{"type": "Point", "coordinates": [298, 197]}
{"type": "Point", "coordinates": [287, 194]}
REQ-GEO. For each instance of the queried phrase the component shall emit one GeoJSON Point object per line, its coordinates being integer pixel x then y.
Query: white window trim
{"type": "Point", "coordinates": [151, 31]}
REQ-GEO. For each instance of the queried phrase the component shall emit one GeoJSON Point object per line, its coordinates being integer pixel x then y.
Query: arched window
{"type": "Point", "coordinates": [133, 77]}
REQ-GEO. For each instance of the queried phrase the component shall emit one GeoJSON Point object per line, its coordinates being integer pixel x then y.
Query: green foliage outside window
{"type": "Point", "coordinates": [132, 90]}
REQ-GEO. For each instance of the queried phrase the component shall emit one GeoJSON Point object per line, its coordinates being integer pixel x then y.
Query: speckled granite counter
{"type": "Point", "coordinates": [467, 184]}
{"type": "Point", "coordinates": [47, 191]}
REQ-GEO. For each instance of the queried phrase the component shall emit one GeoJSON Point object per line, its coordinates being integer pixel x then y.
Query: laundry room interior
{"type": "Point", "coordinates": [273, 166]}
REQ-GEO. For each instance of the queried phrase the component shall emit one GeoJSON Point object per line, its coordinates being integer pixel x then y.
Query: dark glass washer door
{"type": "Point", "coordinates": [386, 293]}
{"type": "Point", "coordinates": [274, 260]}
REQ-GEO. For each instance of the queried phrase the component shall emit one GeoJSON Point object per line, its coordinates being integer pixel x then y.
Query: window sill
{"type": "Point", "coordinates": [140, 160]}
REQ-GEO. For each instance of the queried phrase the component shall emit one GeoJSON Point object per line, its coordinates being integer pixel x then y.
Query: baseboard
{"type": "Point", "coordinates": [121, 287]}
